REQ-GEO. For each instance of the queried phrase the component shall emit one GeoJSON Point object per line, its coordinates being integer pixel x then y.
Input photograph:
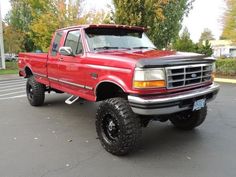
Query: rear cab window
{"type": "Point", "coordinates": [56, 43]}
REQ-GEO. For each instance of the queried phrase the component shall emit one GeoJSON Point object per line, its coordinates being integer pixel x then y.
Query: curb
{"type": "Point", "coordinates": [231, 81]}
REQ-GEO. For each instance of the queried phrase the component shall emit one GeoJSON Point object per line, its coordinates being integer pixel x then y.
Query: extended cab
{"type": "Point", "coordinates": [121, 67]}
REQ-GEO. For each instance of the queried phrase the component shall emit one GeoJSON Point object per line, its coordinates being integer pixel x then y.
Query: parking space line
{"type": "Point", "coordinates": [12, 93]}
{"type": "Point", "coordinates": [18, 96]}
{"type": "Point", "coordinates": [12, 89]}
{"type": "Point", "coordinates": [10, 83]}
{"type": "Point", "coordinates": [12, 86]}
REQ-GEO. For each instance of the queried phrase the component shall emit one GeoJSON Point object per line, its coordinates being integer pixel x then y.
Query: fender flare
{"type": "Point", "coordinates": [27, 66]}
{"type": "Point", "coordinates": [113, 80]}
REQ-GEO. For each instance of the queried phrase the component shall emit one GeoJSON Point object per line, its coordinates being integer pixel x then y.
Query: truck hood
{"type": "Point", "coordinates": [156, 58]}
{"type": "Point", "coordinates": [135, 54]}
{"type": "Point", "coordinates": [179, 58]}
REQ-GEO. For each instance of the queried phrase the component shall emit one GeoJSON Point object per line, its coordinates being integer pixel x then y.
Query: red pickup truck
{"type": "Point", "coordinates": [121, 67]}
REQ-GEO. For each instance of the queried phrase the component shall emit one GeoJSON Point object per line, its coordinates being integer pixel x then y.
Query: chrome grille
{"type": "Point", "coordinates": [181, 76]}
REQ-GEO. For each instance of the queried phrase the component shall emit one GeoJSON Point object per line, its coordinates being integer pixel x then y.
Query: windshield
{"type": "Point", "coordinates": [110, 38]}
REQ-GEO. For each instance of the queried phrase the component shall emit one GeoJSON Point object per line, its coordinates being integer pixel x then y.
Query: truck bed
{"type": "Point", "coordinates": [36, 62]}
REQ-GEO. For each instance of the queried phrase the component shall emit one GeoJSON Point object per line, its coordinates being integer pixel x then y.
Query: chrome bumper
{"type": "Point", "coordinates": [171, 103]}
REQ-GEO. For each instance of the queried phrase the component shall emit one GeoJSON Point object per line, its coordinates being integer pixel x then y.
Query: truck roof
{"type": "Point", "coordinates": [105, 26]}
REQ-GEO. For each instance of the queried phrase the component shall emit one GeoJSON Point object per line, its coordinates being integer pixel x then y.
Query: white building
{"type": "Point", "coordinates": [223, 48]}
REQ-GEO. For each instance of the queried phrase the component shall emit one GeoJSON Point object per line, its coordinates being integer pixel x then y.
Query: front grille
{"type": "Point", "coordinates": [181, 76]}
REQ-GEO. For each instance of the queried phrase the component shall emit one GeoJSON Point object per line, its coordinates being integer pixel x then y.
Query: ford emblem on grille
{"type": "Point", "coordinates": [194, 75]}
{"type": "Point", "coordinates": [187, 75]}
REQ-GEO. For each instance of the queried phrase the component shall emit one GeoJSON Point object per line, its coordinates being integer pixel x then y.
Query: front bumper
{"type": "Point", "coordinates": [171, 103]}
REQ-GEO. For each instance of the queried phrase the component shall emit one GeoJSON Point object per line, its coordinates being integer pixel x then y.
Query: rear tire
{"type": "Point", "coordinates": [188, 120]}
{"type": "Point", "coordinates": [118, 128]}
{"type": "Point", "coordinates": [35, 92]}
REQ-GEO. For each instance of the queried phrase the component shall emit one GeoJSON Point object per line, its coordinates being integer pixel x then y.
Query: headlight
{"type": "Point", "coordinates": [149, 78]}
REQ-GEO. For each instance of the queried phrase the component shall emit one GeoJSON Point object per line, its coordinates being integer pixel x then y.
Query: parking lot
{"type": "Point", "coordinates": [59, 140]}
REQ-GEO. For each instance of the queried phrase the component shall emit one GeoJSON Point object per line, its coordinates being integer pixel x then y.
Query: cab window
{"type": "Point", "coordinates": [73, 40]}
{"type": "Point", "coordinates": [56, 43]}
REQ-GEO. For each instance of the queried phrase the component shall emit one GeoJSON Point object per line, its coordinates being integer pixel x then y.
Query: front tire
{"type": "Point", "coordinates": [118, 128]}
{"type": "Point", "coordinates": [188, 120]}
{"type": "Point", "coordinates": [35, 92]}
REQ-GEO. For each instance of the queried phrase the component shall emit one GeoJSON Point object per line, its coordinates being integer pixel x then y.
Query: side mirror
{"type": "Point", "coordinates": [67, 51]}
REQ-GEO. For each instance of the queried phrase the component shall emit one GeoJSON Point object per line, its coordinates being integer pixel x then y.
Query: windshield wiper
{"type": "Point", "coordinates": [105, 48]}
{"type": "Point", "coordinates": [143, 47]}
{"type": "Point", "coordinates": [108, 47]}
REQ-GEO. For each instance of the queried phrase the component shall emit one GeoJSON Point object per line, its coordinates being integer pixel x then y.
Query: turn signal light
{"type": "Point", "coordinates": [149, 84]}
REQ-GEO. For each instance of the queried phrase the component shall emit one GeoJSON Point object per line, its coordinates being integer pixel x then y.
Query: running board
{"type": "Point", "coordinates": [71, 99]}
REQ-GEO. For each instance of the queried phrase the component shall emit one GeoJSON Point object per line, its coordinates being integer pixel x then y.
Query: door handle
{"type": "Point", "coordinates": [60, 59]}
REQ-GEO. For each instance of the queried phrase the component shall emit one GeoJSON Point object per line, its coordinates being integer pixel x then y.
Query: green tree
{"type": "Point", "coordinates": [206, 35]}
{"type": "Point", "coordinates": [204, 48]}
{"type": "Point", "coordinates": [49, 18]}
{"type": "Point", "coordinates": [162, 17]}
{"type": "Point", "coordinates": [19, 19]}
{"type": "Point", "coordinates": [229, 21]}
{"type": "Point", "coordinates": [59, 15]}
{"type": "Point", "coordinates": [13, 39]}
{"type": "Point", "coordinates": [38, 19]}
{"type": "Point", "coordinates": [184, 42]}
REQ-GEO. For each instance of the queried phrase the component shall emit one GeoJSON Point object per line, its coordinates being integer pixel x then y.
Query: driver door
{"type": "Point", "coordinates": [70, 68]}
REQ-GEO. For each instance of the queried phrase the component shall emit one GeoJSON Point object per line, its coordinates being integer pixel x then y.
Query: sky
{"type": "Point", "coordinates": [205, 14]}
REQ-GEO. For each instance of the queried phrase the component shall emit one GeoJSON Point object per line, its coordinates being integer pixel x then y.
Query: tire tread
{"type": "Point", "coordinates": [39, 92]}
{"type": "Point", "coordinates": [131, 125]}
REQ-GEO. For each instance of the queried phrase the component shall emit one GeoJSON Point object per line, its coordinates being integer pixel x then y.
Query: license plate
{"type": "Point", "coordinates": [199, 104]}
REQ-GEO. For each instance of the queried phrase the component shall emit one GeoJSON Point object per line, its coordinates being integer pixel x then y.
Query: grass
{"type": "Point", "coordinates": [11, 68]}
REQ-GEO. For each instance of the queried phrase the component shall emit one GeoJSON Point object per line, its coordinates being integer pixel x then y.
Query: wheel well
{"type": "Point", "coordinates": [108, 90]}
{"type": "Point", "coordinates": [28, 72]}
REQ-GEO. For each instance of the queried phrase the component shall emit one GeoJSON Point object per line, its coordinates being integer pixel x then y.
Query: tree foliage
{"type": "Point", "coordinates": [47, 19]}
{"type": "Point", "coordinates": [204, 48]}
{"type": "Point", "coordinates": [162, 17]}
{"type": "Point", "coordinates": [185, 44]}
{"type": "Point", "coordinates": [13, 39]}
{"type": "Point", "coordinates": [229, 21]}
{"type": "Point", "coordinates": [19, 19]}
{"type": "Point", "coordinates": [206, 35]}
{"type": "Point", "coordinates": [38, 19]}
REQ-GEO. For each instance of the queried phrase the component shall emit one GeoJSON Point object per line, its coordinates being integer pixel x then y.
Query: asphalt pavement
{"type": "Point", "coordinates": [59, 140]}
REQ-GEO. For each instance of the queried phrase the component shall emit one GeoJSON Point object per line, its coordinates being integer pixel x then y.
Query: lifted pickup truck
{"type": "Point", "coordinates": [121, 67]}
